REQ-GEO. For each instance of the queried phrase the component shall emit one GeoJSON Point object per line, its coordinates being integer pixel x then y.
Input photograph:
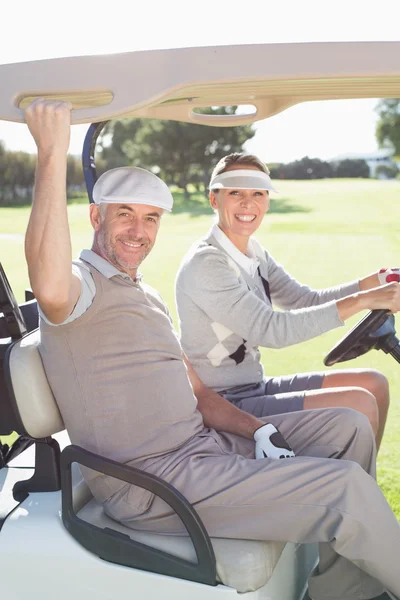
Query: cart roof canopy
{"type": "Point", "coordinates": [172, 84]}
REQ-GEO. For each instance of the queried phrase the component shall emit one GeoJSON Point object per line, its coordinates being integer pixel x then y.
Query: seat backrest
{"type": "Point", "coordinates": [28, 389]}
{"type": "Point", "coordinates": [15, 321]}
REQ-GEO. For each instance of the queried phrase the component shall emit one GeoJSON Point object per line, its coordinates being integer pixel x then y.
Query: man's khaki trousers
{"type": "Point", "coordinates": [327, 494]}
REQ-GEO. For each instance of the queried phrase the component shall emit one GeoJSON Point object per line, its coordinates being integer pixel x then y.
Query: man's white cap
{"type": "Point", "coordinates": [132, 185]}
{"type": "Point", "coordinates": [242, 179]}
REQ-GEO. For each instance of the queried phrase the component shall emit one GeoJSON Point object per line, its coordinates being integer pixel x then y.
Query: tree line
{"type": "Point", "coordinates": [183, 154]}
{"type": "Point", "coordinates": [314, 168]}
{"type": "Point", "coordinates": [17, 174]}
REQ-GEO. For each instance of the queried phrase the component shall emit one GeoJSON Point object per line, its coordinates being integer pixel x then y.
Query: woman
{"type": "Point", "coordinates": [226, 288]}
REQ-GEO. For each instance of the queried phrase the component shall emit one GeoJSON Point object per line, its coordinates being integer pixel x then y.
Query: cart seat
{"type": "Point", "coordinates": [245, 565]}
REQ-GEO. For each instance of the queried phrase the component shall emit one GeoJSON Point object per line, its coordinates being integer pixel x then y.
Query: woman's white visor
{"type": "Point", "coordinates": [242, 179]}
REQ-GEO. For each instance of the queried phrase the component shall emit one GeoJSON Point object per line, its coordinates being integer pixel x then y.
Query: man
{"type": "Point", "coordinates": [117, 372]}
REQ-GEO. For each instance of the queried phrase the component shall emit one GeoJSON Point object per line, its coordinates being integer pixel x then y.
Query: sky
{"type": "Point", "coordinates": [44, 29]}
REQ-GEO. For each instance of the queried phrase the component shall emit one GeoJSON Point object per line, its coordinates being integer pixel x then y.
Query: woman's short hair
{"type": "Point", "coordinates": [239, 158]}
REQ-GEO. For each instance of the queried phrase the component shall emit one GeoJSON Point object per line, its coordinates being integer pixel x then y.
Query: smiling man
{"type": "Point", "coordinates": [126, 392]}
{"type": "Point", "coordinates": [125, 232]}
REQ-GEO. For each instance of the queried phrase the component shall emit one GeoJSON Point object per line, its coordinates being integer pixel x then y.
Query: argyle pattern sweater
{"type": "Point", "coordinates": [225, 314]}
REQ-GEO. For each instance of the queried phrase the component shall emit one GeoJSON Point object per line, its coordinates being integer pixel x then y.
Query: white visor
{"type": "Point", "coordinates": [242, 179]}
{"type": "Point", "coordinates": [132, 185]}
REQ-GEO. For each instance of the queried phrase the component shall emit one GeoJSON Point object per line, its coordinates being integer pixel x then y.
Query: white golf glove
{"type": "Point", "coordinates": [389, 275]}
{"type": "Point", "coordinates": [270, 443]}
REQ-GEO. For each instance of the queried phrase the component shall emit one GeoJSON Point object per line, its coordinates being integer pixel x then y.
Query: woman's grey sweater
{"type": "Point", "coordinates": [225, 313]}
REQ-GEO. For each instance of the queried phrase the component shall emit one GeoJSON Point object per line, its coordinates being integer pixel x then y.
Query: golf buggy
{"type": "Point", "coordinates": [50, 524]}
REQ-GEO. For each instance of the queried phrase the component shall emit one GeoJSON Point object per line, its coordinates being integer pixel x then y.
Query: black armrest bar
{"type": "Point", "coordinates": [116, 547]}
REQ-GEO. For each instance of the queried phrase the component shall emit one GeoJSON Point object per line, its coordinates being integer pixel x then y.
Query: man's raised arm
{"type": "Point", "coordinates": [48, 243]}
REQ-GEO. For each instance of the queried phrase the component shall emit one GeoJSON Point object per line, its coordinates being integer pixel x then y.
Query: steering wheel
{"type": "Point", "coordinates": [375, 330]}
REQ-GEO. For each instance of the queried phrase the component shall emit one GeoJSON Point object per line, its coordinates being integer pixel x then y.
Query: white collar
{"type": "Point", "coordinates": [249, 262]}
{"type": "Point", "coordinates": [103, 266]}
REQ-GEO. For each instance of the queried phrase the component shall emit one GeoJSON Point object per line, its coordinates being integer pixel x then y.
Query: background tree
{"type": "Point", "coordinates": [388, 126]}
{"type": "Point", "coordinates": [351, 168]}
{"type": "Point", "coordinates": [181, 153]}
{"type": "Point", "coordinates": [17, 174]}
{"type": "Point", "coordinates": [74, 172]}
{"type": "Point", "coordinates": [386, 171]}
{"type": "Point", "coordinates": [117, 143]}
{"type": "Point", "coordinates": [305, 168]}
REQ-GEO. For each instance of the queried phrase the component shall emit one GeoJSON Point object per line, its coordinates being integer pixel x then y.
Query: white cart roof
{"type": "Point", "coordinates": [171, 84]}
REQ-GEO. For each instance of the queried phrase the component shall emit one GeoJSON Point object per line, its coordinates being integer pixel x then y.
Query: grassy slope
{"type": "Point", "coordinates": [323, 232]}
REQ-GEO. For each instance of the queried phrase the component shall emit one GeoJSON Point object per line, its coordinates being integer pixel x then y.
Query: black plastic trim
{"type": "Point", "coordinates": [9, 307]}
{"type": "Point", "coordinates": [4, 332]}
{"type": "Point", "coordinates": [88, 156]}
{"type": "Point", "coordinates": [118, 548]}
{"type": "Point", "coordinates": [46, 476]}
{"type": "Point", "coordinates": [30, 313]}
{"type": "Point", "coordinates": [8, 453]}
{"type": "Point", "coordinates": [395, 352]}
{"type": "Point", "coordinates": [29, 295]}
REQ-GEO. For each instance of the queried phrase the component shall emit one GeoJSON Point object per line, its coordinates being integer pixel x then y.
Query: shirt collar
{"type": "Point", "coordinates": [249, 262]}
{"type": "Point", "coordinates": [103, 266]}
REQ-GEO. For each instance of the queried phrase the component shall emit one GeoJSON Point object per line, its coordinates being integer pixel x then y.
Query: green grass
{"type": "Point", "coordinates": [324, 232]}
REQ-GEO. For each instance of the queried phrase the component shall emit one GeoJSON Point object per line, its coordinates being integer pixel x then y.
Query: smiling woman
{"type": "Point", "coordinates": [240, 196]}
{"type": "Point", "coordinates": [227, 289]}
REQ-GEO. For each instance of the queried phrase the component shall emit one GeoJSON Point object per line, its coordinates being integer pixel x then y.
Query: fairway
{"type": "Point", "coordinates": [324, 232]}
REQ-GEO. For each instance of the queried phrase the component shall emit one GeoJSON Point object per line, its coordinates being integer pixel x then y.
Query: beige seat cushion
{"type": "Point", "coordinates": [33, 396]}
{"type": "Point", "coordinates": [245, 565]}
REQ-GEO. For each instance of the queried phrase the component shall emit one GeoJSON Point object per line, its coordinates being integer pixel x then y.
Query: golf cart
{"type": "Point", "coordinates": [50, 524]}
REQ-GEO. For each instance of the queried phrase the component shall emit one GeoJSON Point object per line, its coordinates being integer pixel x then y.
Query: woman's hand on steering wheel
{"type": "Point", "coordinates": [386, 296]}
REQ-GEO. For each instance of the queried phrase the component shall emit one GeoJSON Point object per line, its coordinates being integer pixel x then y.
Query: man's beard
{"type": "Point", "coordinates": [107, 247]}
